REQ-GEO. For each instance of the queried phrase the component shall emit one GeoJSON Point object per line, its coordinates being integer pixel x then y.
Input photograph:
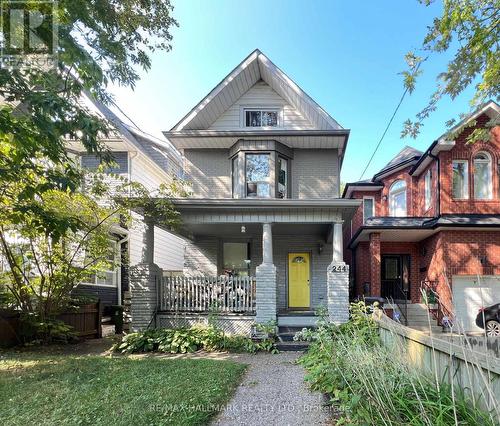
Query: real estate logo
{"type": "Point", "coordinates": [28, 34]}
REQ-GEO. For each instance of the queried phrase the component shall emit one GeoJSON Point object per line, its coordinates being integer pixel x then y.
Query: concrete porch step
{"type": "Point", "coordinates": [292, 346]}
{"type": "Point", "coordinates": [286, 329]}
{"type": "Point", "coordinates": [297, 320]}
{"type": "Point", "coordinates": [286, 337]}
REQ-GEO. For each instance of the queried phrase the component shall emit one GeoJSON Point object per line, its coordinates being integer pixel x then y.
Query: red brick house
{"type": "Point", "coordinates": [431, 220]}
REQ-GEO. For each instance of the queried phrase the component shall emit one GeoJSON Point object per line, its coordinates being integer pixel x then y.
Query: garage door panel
{"type": "Point", "coordinates": [470, 293]}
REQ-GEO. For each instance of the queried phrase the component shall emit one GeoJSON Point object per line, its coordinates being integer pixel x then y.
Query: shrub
{"type": "Point", "coordinates": [373, 385]}
{"type": "Point", "coordinates": [184, 340]}
{"type": "Point", "coordinates": [34, 331]}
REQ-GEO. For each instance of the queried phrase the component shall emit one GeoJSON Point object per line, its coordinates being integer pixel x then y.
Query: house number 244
{"type": "Point", "coordinates": [339, 268]}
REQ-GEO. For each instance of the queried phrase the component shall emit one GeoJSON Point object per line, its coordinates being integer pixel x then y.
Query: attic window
{"type": "Point", "coordinates": [261, 118]}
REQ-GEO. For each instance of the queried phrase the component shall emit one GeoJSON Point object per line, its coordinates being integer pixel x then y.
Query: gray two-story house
{"type": "Point", "coordinates": [264, 222]}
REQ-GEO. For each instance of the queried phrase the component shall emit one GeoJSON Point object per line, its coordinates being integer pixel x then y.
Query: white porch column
{"type": "Point", "coordinates": [267, 244]}
{"type": "Point", "coordinates": [338, 250]}
{"type": "Point", "coordinates": [266, 291]}
{"type": "Point", "coordinates": [144, 279]}
{"type": "Point", "coordinates": [148, 254]}
{"type": "Point", "coordinates": [338, 280]}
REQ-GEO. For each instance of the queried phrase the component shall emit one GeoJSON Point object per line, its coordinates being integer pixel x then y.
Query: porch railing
{"type": "Point", "coordinates": [430, 296]}
{"type": "Point", "coordinates": [205, 294]}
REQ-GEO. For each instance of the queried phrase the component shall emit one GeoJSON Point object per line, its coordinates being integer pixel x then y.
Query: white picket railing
{"type": "Point", "coordinates": [205, 294]}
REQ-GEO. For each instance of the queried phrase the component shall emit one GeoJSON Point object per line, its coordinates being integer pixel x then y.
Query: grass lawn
{"type": "Point", "coordinates": [49, 390]}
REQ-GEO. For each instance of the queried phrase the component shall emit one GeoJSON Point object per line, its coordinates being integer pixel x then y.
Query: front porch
{"type": "Point", "coordinates": [271, 263]}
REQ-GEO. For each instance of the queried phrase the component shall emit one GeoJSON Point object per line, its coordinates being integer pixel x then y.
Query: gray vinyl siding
{"type": "Point", "coordinates": [107, 295]}
{"type": "Point", "coordinates": [314, 173]}
{"type": "Point", "coordinates": [92, 162]}
{"type": "Point", "coordinates": [209, 171]}
{"type": "Point", "coordinates": [204, 257]}
{"type": "Point", "coordinates": [168, 252]}
{"type": "Point", "coordinates": [261, 95]}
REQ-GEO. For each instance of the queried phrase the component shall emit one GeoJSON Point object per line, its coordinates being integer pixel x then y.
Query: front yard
{"type": "Point", "coordinates": [55, 389]}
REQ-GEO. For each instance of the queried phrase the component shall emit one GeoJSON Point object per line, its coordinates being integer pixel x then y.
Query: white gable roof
{"type": "Point", "coordinates": [255, 67]}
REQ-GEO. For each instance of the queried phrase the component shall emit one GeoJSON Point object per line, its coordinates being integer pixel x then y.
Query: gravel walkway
{"type": "Point", "coordinates": [273, 392]}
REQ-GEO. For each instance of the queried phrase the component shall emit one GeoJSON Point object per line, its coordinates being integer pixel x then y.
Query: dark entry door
{"type": "Point", "coordinates": [396, 276]}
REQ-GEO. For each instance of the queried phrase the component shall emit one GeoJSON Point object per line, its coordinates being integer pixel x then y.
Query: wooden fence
{"type": "Point", "coordinates": [474, 372]}
{"type": "Point", "coordinates": [86, 323]}
{"type": "Point", "coordinates": [203, 294]}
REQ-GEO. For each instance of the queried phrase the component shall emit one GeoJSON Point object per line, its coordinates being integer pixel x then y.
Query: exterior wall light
{"type": "Point", "coordinates": [243, 229]}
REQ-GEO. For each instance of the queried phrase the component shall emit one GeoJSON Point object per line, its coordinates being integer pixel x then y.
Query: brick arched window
{"type": "Point", "coordinates": [397, 198]}
{"type": "Point", "coordinates": [483, 179]}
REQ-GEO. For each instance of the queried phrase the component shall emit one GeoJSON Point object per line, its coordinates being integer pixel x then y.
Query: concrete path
{"type": "Point", "coordinates": [273, 392]}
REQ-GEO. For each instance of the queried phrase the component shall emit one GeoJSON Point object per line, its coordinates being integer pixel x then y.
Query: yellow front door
{"type": "Point", "coordinates": [299, 267]}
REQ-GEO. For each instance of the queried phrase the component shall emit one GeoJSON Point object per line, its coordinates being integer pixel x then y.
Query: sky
{"type": "Point", "coordinates": [347, 55]}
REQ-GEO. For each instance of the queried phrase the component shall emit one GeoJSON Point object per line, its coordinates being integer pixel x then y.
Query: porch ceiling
{"type": "Point", "coordinates": [254, 230]}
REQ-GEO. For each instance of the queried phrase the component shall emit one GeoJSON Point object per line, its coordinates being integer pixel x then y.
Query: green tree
{"type": "Point", "coordinates": [470, 29]}
{"type": "Point", "coordinates": [48, 226]}
{"type": "Point", "coordinates": [63, 238]}
{"type": "Point", "coordinates": [99, 41]}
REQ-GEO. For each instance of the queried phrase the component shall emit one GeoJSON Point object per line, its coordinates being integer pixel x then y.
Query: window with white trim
{"type": "Point", "coordinates": [258, 175]}
{"type": "Point", "coordinates": [427, 190]}
{"type": "Point", "coordinates": [397, 199]}
{"type": "Point", "coordinates": [261, 117]}
{"type": "Point", "coordinates": [460, 185]}
{"type": "Point", "coordinates": [236, 258]}
{"type": "Point", "coordinates": [483, 184]}
{"type": "Point", "coordinates": [368, 208]}
{"type": "Point", "coordinates": [282, 177]}
{"type": "Point", "coordinates": [108, 278]}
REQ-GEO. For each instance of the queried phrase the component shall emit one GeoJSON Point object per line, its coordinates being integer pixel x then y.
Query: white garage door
{"type": "Point", "coordinates": [470, 293]}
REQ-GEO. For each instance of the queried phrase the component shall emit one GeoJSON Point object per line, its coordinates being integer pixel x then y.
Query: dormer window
{"type": "Point", "coordinates": [261, 117]}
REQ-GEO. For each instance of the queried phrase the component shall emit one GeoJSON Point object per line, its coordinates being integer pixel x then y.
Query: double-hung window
{"type": "Point", "coordinates": [460, 185]}
{"type": "Point", "coordinates": [261, 117]}
{"type": "Point", "coordinates": [258, 175]}
{"type": "Point", "coordinates": [368, 208]}
{"type": "Point", "coordinates": [107, 277]}
{"type": "Point", "coordinates": [282, 171]}
{"type": "Point", "coordinates": [427, 190]}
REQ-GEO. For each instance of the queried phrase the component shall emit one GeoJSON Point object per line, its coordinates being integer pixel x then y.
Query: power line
{"type": "Point", "coordinates": [388, 125]}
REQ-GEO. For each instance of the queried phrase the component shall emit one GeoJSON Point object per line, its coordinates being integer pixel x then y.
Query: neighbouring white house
{"type": "Point", "coordinates": [263, 226]}
{"type": "Point", "coordinates": [142, 158]}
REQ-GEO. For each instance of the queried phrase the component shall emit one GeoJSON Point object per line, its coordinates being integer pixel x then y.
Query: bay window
{"type": "Point", "coordinates": [460, 185]}
{"type": "Point", "coordinates": [482, 176]}
{"type": "Point", "coordinates": [282, 177]}
{"type": "Point", "coordinates": [397, 199]}
{"type": "Point", "coordinates": [258, 175]}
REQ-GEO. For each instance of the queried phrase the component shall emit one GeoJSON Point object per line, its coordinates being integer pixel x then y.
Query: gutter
{"type": "Point", "coordinates": [245, 133]}
{"type": "Point", "coordinates": [264, 203]}
{"type": "Point", "coordinates": [434, 226]}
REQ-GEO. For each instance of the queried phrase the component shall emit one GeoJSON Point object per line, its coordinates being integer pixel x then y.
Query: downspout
{"type": "Point", "coordinates": [438, 204]}
{"type": "Point", "coordinates": [120, 242]}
